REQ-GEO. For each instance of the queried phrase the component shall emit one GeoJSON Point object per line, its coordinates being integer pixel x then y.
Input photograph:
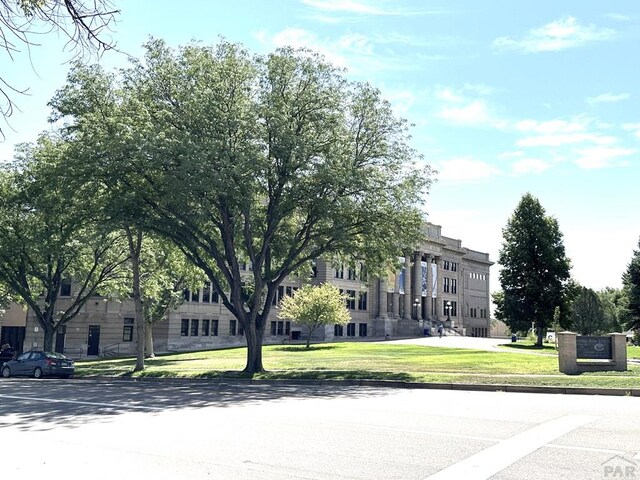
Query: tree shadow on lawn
{"type": "Point", "coordinates": [530, 348]}
{"type": "Point", "coordinates": [303, 348]}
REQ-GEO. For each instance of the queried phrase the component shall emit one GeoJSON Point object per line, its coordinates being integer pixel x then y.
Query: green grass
{"type": "Point", "coordinates": [368, 361]}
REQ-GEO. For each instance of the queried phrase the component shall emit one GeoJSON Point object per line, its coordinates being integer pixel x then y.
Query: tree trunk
{"type": "Point", "coordinates": [135, 245]}
{"type": "Point", "coordinates": [254, 349]}
{"type": "Point", "coordinates": [539, 333]}
{"type": "Point", "coordinates": [49, 334]}
{"type": "Point", "coordinates": [149, 341]}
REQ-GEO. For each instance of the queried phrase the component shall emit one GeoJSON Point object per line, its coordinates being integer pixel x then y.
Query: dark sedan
{"type": "Point", "coordinates": [37, 363]}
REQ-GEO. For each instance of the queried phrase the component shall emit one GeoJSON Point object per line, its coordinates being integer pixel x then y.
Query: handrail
{"type": "Point", "coordinates": [114, 348]}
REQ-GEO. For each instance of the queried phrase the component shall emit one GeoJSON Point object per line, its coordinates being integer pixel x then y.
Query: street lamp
{"type": "Point", "coordinates": [448, 309]}
{"type": "Point", "coordinates": [416, 303]}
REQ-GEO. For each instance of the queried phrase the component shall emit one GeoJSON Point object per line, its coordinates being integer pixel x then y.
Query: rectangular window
{"type": "Point", "coordinates": [194, 327]}
{"type": "Point", "coordinates": [184, 327]}
{"type": "Point", "coordinates": [65, 288]}
{"type": "Point", "coordinates": [454, 285]}
{"type": "Point", "coordinates": [195, 296]}
{"type": "Point", "coordinates": [287, 328]}
{"type": "Point", "coordinates": [454, 309]}
{"type": "Point", "coordinates": [445, 285]}
{"type": "Point", "coordinates": [338, 330]}
{"type": "Point", "coordinates": [273, 328]}
{"type": "Point", "coordinates": [289, 292]}
{"type": "Point", "coordinates": [127, 330]}
{"type": "Point", "coordinates": [362, 301]}
{"type": "Point", "coordinates": [214, 328]}
{"type": "Point", "coordinates": [233, 327]}
{"type": "Point", "coordinates": [186, 294]}
{"type": "Point", "coordinates": [206, 293]}
{"type": "Point", "coordinates": [280, 328]}
{"type": "Point", "coordinates": [205, 328]}
{"type": "Point", "coordinates": [363, 273]}
{"type": "Point", "coordinates": [215, 298]}
{"type": "Point", "coordinates": [445, 265]}
{"type": "Point", "coordinates": [340, 272]}
{"type": "Point", "coordinates": [362, 329]}
{"type": "Point", "coordinates": [314, 268]}
{"type": "Point", "coordinates": [351, 274]}
{"type": "Point", "coordinates": [351, 330]}
{"type": "Point", "coordinates": [351, 301]}
{"type": "Point", "coordinates": [454, 267]}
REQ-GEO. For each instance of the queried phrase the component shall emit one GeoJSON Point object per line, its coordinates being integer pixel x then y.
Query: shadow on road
{"type": "Point", "coordinates": [39, 405]}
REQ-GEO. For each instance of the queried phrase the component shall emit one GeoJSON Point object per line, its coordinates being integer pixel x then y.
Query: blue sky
{"type": "Point", "coordinates": [506, 97]}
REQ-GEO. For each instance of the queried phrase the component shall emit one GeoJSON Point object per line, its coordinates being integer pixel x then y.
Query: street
{"type": "Point", "coordinates": [79, 429]}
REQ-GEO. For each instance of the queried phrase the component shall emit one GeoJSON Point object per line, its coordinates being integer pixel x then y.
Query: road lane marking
{"type": "Point", "coordinates": [585, 449]}
{"type": "Point", "coordinates": [82, 402]}
{"type": "Point", "coordinates": [490, 461]}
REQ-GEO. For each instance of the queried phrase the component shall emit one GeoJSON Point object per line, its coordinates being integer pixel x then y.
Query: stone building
{"type": "Point", "coordinates": [440, 283]}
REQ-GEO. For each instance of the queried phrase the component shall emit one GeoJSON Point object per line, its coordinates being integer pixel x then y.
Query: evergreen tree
{"type": "Point", "coordinates": [631, 283]}
{"type": "Point", "coordinates": [535, 269]}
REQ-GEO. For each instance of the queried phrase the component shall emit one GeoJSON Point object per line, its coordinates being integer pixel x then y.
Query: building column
{"type": "Point", "coordinates": [396, 297]}
{"type": "Point", "coordinates": [428, 300]}
{"type": "Point", "coordinates": [407, 288]}
{"type": "Point", "coordinates": [436, 299]}
{"type": "Point", "coordinates": [417, 283]}
{"type": "Point", "coordinates": [382, 298]}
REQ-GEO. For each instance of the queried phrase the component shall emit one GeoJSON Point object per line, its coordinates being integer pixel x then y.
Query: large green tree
{"type": "Point", "coordinates": [48, 239]}
{"type": "Point", "coordinates": [535, 269]}
{"type": "Point", "coordinates": [274, 160]}
{"type": "Point", "coordinates": [587, 313]}
{"type": "Point", "coordinates": [631, 285]}
{"type": "Point", "coordinates": [314, 306]}
{"type": "Point", "coordinates": [614, 306]}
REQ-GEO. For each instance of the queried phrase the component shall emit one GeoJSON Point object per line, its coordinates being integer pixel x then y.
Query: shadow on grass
{"type": "Point", "coordinates": [533, 348]}
{"type": "Point", "coordinates": [303, 348]}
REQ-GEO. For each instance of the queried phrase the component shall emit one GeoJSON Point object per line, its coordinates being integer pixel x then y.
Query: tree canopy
{"type": "Point", "coordinates": [48, 239]}
{"type": "Point", "coordinates": [587, 313]}
{"type": "Point", "coordinates": [535, 269]}
{"type": "Point", "coordinates": [274, 160]}
{"type": "Point", "coordinates": [314, 306]}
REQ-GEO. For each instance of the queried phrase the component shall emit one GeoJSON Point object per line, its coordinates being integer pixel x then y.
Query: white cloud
{"type": "Point", "coordinates": [632, 127]}
{"type": "Point", "coordinates": [349, 6]}
{"type": "Point", "coordinates": [558, 35]}
{"type": "Point", "coordinates": [556, 140]}
{"type": "Point", "coordinates": [552, 126]}
{"type": "Point", "coordinates": [608, 98]}
{"type": "Point", "coordinates": [465, 170]}
{"type": "Point", "coordinates": [529, 165]}
{"type": "Point", "coordinates": [363, 8]}
{"type": "Point", "coordinates": [603, 157]}
{"type": "Point", "coordinates": [473, 113]}
{"type": "Point", "coordinates": [618, 17]}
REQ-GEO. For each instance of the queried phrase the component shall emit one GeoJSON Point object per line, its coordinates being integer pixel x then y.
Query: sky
{"type": "Point", "coordinates": [504, 97]}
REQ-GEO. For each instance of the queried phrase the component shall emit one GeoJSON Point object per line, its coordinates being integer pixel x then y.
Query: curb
{"type": "Point", "coordinates": [474, 387]}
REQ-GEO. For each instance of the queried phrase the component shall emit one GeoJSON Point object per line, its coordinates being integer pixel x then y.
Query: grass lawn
{"type": "Point", "coordinates": [360, 360]}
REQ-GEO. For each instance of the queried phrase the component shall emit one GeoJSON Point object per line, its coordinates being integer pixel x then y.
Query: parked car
{"type": "Point", "coordinates": [37, 363]}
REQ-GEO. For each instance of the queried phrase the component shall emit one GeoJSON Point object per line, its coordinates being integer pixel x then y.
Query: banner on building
{"type": "Point", "coordinates": [401, 277]}
{"type": "Point", "coordinates": [434, 280]}
{"type": "Point", "coordinates": [391, 283]}
{"type": "Point", "coordinates": [424, 278]}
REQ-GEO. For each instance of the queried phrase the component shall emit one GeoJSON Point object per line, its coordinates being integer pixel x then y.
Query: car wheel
{"type": "Point", "coordinates": [6, 372]}
{"type": "Point", "coordinates": [37, 373]}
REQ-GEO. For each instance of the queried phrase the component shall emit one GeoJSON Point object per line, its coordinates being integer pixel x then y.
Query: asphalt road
{"type": "Point", "coordinates": [82, 429]}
